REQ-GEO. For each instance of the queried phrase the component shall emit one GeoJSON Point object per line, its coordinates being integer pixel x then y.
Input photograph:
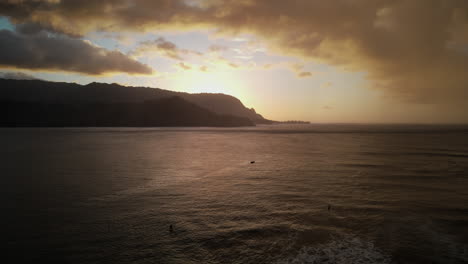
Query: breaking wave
{"type": "Point", "coordinates": [340, 250]}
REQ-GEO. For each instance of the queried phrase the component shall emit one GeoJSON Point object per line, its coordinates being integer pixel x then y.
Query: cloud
{"type": "Point", "coordinates": [164, 48]}
{"type": "Point", "coordinates": [203, 68]}
{"type": "Point", "coordinates": [217, 48]}
{"type": "Point", "coordinates": [413, 49]}
{"type": "Point", "coordinates": [248, 50]}
{"type": "Point", "coordinates": [220, 61]}
{"type": "Point", "coordinates": [58, 53]}
{"type": "Point", "coordinates": [401, 45]}
{"type": "Point", "coordinates": [326, 85]}
{"type": "Point", "coordinates": [298, 68]}
{"type": "Point", "coordinates": [184, 66]}
{"type": "Point", "coordinates": [243, 57]}
{"type": "Point", "coordinates": [304, 74]}
{"type": "Point", "coordinates": [17, 76]}
{"type": "Point", "coordinates": [76, 18]}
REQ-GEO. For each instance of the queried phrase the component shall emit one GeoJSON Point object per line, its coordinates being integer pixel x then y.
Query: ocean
{"type": "Point", "coordinates": [268, 194]}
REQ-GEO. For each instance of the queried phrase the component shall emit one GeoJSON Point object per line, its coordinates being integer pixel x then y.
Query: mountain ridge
{"type": "Point", "coordinates": [94, 92]}
{"type": "Point", "coordinates": [165, 112]}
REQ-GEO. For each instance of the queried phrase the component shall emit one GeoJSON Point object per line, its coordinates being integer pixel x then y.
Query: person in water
{"type": "Point", "coordinates": [171, 229]}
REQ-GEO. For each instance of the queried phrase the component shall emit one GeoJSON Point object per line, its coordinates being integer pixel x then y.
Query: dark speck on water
{"type": "Point", "coordinates": [115, 195]}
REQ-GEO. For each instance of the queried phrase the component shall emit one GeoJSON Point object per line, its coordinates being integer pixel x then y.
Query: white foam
{"type": "Point", "coordinates": [341, 250]}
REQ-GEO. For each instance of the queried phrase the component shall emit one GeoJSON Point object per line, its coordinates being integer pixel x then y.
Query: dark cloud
{"type": "Point", "coordinates": [29, 28]}
{"type": "Point", "coordinates": [58, 53]}
{"type": "Point", "coordinates": [403, 46]}
{"type": "Point", "coordinates": [164, 48]}
{"type": "Point", "coordinates": [413, 49]}
{"type": "Point", "coordinates": [77, 17]}
{"type": "Point", "coordinates": [17, 76]}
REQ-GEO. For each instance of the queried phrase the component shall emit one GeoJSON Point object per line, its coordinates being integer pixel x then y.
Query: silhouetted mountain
{"type": "Point", "coordinates": [170, 111]}
{"type": "Point", "coordinates": [70, 93]}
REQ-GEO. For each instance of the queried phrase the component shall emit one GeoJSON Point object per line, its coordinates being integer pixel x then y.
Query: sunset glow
{"type": "Point", "coordinates": [380, 61]}
{"type": "Point", "coordinates": [207, 82]}
{"type": "Point", "coordinates": [234, 131]}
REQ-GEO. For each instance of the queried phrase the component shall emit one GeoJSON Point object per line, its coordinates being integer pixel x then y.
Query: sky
{"type": "Point", "coordinates": [346, 61]}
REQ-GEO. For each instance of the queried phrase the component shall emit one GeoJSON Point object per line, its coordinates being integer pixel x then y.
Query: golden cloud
{"type": "Point", "coordinates": [184, 66]}
{"type": "Point", "coordinates": [163, 47]}
{"type": "Point", "coordinates": [304, 74]}
{"type": "Point", "coordinates": [413, 49]}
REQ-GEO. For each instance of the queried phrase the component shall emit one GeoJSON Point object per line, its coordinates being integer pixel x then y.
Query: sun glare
{"type": "Point", "coordinates": [211, 82]}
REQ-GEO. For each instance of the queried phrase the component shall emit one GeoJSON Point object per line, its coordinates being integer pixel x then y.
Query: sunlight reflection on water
{"type": "Point", "coordinates": [86, 195]}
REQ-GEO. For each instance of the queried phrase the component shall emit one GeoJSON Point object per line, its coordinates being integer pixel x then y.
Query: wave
{"type": "Point", "coordinates": [340, 250]}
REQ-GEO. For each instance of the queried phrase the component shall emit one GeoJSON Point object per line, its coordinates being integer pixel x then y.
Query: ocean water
{"type": "Point", "coordinates": [397, 194]}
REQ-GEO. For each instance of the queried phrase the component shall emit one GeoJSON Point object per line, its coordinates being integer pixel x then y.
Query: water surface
{"type": "Point", "coordinates": [398, 194]}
